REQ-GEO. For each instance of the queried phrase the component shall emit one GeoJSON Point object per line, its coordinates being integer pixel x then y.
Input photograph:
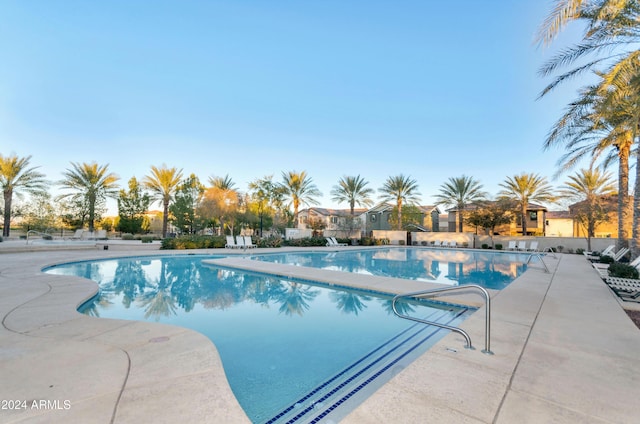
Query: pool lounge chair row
{"type": "Point", "coordinates": [242, 242]}
{"type": "Point", "coordinates": [445, 243]}
{"type": "Point", "coordinates": [521, 246]}
{"type": "Point", "coordinates": [89, 235]}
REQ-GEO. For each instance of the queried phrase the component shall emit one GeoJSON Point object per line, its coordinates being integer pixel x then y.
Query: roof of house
{"type": "Point", "coordinates": [476, 205]}
{"type": "Point", "coordinates": [380, 207]}
{"type": "Point", "coordinates": [335, 212]}
{"type": "Point", "coordinates": [558, 215]}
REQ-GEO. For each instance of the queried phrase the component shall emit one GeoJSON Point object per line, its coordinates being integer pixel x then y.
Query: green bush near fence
{"type": "Point", "coordinates": [620, 270]}
{"type": "Point", "coordinates": [193, 242]}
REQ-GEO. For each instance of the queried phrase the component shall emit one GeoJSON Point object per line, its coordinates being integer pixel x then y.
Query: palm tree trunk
{"type": "Point", "coordinates": [635, 245]}
{"type": "Point", "coordinates": [523, 213]}
{"type": "Point", "coordinates": [399, 215]}
{"type": "Point", "coordinates": [623, 197]}
{"type": "Point", "coordinates": [165, 217]}
{"type": "Point", "coordinates": [8, 196]}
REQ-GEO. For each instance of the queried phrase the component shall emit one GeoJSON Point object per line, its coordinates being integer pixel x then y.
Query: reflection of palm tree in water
{"type": "Point", "coordinates": [294, 299]}
{"type": "Point", "coordinates": [403, 307]}
{"type": "Point", "coordinates": [129, 279]}
{"type": "Point", "coordinates": [157, 300]}
{"type": "Point", "coordinates": [100, 302]}
{"type": "Point", "coordinates": [349, 303]}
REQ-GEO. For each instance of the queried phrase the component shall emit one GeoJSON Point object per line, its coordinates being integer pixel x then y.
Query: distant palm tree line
{"type": "Point", "coordinates": [90, 182]}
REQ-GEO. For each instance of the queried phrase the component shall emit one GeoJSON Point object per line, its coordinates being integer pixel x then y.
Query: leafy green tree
{"type": "Point", "coordinates": [411, 215]}
{"type": "Point", "coordinates": [401, 190]}
{"type": "Point", "coordinates": [188, 196]}
{"type": "Point", "coordinates": [352, 190]}
{"type": "Point", "coordinates": [16, 176]}
{"type": "Point", "coordinates": [589, 186]}
{"type": "Point", "coordinates": [39, 213]}
{"type": "Point", "coordinates": [525, 188]}
{"type": "Point", "coordinates": [459, 192]}
{"type": "Point", "coordinates": [162, 183]}
{"type": "Point", "coordinates": [299, 188]}
{"type": "Point", "coordinates": [91, 182]}
{"type": "Point", "coordinates": [489, 215]}
{"type": "Point", "coordinates": [266, 196]}
{"type": "Point", "coordinates": [221, 204]}
{"type": "Point", "coordinates": [132, 206]}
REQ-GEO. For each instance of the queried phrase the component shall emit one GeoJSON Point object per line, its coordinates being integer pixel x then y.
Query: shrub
{"type": "Point", "coordinates": [306, 242]}
{"type": "Point", "coordinates": [498, 246]}
{"type": "Point", "coordinates": [0, 239]}
{"type": "Point", "coordinates": [559, 249]}
{"type": "Point", "coordinates": [465, 244]}
{"type": "Point", "coordinates": [146, 239]}
{"type": "Point", "coordinates": [485, 246]}
{"type": "Point", "coordinates": [193, 242]}
{"type": "Point", "coordinates": [424, 243]}
{"type": "Point", "coordinates": [366, 241]}
{"type": "Point", "coordinates": [401, 242]}
{"type": "Point", "coordinates": [619, 270]}
{"type": "Point", "coordinates": [127, 236]}
{"type": "Point", "coordinates": [579, 251]}
{"type": "Point", "coordinates": [270, 241]}
{"type": "Point", "coordinates": [606, 260]}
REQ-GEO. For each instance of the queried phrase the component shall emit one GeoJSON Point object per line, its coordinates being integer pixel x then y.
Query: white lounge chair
{"type": "Point", "coordinates": [231, 243]}
{"type": "Point", "coordinates": [240, 242]}
{"type": "Point", "coordinates": [453, 244]}
{"type": "Point", "coordinates": [335, 242]}
{"type": "Point", "coordinates": [533, 247]}
{"type": "Point", "coordinates": [77, 235]}
{"type": "Point", "coordinates": [620, 253]}
{"type": "Point", "coordinates": [512, 245]}
{"type": "Point", "coordinates": [101, 235]}
{"type": "Point", "coordinates": [522, 245]}
{"type": "Point", "coordinates": [248, 243]}
{"type": "Point", "coordinates": [605, 252]}
{"type": "Point", "coordinates": [437, 243]}
{"type": "Point", "coordinates": [329, 242]}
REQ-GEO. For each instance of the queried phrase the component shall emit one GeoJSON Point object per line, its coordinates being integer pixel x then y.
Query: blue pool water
{"type": "Point", "coordinates": [291, 351]}
{"type": "Point", "coordinates": [491, 270]}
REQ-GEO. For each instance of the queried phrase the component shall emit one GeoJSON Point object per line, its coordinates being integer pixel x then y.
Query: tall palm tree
{"type": "Point", "coordinates": [352, 190]}
{"type": "Point", "coordinates": [525, 188]}
{"type": "Point", "coordinates": [16, 176]}
{"type": "Point", "coordinates": [163, 183]}
{"type": "Point", "coordinates": [401, 190]}
{"type": "Point", "coordinates": [92, 182]}
{"type": "Point", "coordinates": [589, 185]}
{"type": "Point", "coordinates": [612, 32]}
{"type": "Point", "coordinates": [459, 192]}
{"type": "Point", "coordinates": [223, 183]}
{"type": "Point", "coordinates": [300, 190]}
{"type": "Point", "coordinates": [600, 123]}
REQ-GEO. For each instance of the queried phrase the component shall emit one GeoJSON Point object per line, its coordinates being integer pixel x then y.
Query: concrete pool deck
{"type": "Point", "coordinates": [564, 352]}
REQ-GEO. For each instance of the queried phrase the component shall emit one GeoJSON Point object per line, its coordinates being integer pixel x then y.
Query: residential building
{"type": "Point", "coordinates": [332, 222]}
{"type": "Point", "coordinates": [379, 217]}
{"type": "Point", "coordinates": [606, 228]}
{"type": "Point", "coordinates": [559, 224]}
{"type": "Point", "coordinates": [536, 223]}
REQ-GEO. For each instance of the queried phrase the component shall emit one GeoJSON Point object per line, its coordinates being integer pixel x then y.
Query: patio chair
{"type": "Point", "coordinates": [533, 247]}
{"type": "Point", "coordinates": [512, 245]}
{"type": "Point", "coordinates": [437, 243]}
{"type": "Point", "coordinates": [248, 243]}
{"type": "Point", "coordinates": [626, 295]}
{"type": "Point", "coordinates": [618, 255]}
{"type": "Point", "coordinates": [329, 242]}
{"type": "Point", "coordinates": [603, 253]}
{"type": "Point", "coordinates": [445, 244]}
{"type": "Point", "coordinates": [231, 243]}
{"type": "Point", "coordinates": [453, 244]}
{"type": "Point", "coordinates": [240, 242]}
{"type": "Point", "coordinates": [77, 235]}
{"type": "Point", "coordinates": [335, 242]}
{"type": "Point", "coordinates": [101, 235]}
{"type": "Point", "coordinates": [522, 245]}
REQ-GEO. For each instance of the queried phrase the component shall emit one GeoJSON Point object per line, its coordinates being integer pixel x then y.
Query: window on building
{"type": "Point", "coordinates": [533, 215]}
{"type": "Point", "coordinates": [334, 219]}
{"type": "Point", "coordinates": [373, 218]}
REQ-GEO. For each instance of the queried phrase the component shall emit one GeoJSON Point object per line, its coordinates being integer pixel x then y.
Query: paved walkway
{"type": "Point", "coordinates": [564, 352]}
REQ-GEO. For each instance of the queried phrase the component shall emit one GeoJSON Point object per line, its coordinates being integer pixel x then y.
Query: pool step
{"type": "Point", "coordinates": [323, 404]}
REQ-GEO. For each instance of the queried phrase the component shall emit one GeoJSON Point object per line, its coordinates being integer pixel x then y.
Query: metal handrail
{"type": "Point", "coordinates": [37, 232]}
{"type": "Point", "coordinates": [487, 334]}
{"type": "Point", "coordinates": [539, 256]}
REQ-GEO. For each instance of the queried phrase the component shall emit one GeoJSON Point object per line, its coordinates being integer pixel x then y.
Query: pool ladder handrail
{"type": "Point", "coordinates": [485, 294]}
{"type": "Point", "coordinates": [40, 233]}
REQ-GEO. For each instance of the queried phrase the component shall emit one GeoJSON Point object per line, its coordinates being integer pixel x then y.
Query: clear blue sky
{"type": "Point", "coordinates": [429, 89]}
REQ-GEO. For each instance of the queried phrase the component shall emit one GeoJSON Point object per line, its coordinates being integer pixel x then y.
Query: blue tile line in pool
{"type": "Point", "coordinates": [350, 379]}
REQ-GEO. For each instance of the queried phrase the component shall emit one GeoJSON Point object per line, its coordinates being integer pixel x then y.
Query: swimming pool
{"type": "Point", "coordinates": [292, 351]}
{"type": "Point", "coordinates": [491, 270]}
